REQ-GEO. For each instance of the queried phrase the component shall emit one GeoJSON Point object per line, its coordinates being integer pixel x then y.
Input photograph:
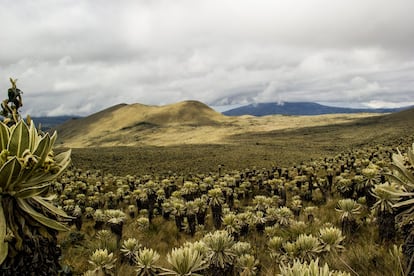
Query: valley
{"type": "Point", "coordinates": [234, 142]}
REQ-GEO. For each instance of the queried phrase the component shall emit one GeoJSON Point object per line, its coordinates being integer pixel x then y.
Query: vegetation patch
{"type": "Point", "coordinates": [140, 126]}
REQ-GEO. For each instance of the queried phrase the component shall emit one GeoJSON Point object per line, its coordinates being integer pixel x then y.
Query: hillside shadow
{"type": "Point", "coordinates": [364, 131]}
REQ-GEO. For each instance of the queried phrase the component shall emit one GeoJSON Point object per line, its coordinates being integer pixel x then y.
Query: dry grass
{"type": "Point", "coordinates": [259, 148]}
{"type": "Point", "coordinates": [190, 137]}
{"type": "Point", "coordinates": [182, 123]}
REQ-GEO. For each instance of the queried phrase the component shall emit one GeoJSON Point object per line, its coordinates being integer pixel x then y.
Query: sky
{"type": "Point", "coordinates": [79, 57]}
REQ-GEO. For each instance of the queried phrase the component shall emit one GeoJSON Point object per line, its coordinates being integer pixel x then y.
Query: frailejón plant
{"type": "Point", "coordinates": [27, 168]}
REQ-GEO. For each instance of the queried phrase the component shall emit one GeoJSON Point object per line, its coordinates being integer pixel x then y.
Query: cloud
{"type": "Point", "coordinates": [79, 57]}
{"type": "Point", "coordinates": [386, 104]}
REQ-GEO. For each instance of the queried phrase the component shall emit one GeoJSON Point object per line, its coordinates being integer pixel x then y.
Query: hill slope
{"type": "Point", "coordinates": [248, 141]}
{"type": "Point", "coordinates": [299, 108]}
{"type": "Point", "coordinates": [119, 125]}
{"type": "Point", "coordinates": [192, 122]}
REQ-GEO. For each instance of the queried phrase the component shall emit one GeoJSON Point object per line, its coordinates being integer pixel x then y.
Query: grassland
{"type": "Point", "coordinates": [259, 149]}
{"type": "Point", "coordinates": [345, 148]}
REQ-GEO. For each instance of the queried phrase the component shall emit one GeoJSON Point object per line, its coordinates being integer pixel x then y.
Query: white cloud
{"type": "Point", "coordinates": [384, 104]}
{"type": "Point", "coordinates": [78, 57]}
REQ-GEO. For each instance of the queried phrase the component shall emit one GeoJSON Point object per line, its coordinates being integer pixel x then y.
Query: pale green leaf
{"type": "Point", "coordinates": [34, 137]}
{"type": "Point", "coordinates": [63, 160]}
{"type": "Point", "coordinates": [52, 140]}
{"type": "Point", "coordinates": [4, 246]}
{"type": "Point", "coordinates": [4, 136]}
{"type": "Point", "coordinates": [411, 156]}
{"type": "Point", "coordinates": [41, 152]}
{"type": "Point", "coordinates": [19, 139]}
{"type": "Point", "coordinates": [394, 179]}
{"type": "Point", "coordinates": [397, 158]}
{"type": "Point", "coordinates": [404, 172]}
{"type": "Point", "coordinates": [50, 223]}
{"type": "Point", "coordinates": [38, 178]}
{"type": "Point", "coordinates": [32, 191]}
{"type": "Point", "coordinates": [399, 194]}
{"type": "Point", "coordinates": [9, 173]}
{"type": "Point", "coordinates": [404, 203]}
{"type": "Point", "coordinates": [42, 149]}
{"type": "Point", "coordinates": [51, 207]}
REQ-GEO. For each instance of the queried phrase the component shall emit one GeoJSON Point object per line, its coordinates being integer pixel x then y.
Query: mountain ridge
{"type": "Point", "coordinates": [50, 122]}
{"type": "Point", "coordinates": [301, 108]}
{"type": "Point", "coordinates": [121, 123]}
{"type": "Point", "coordinates": [192, 122]}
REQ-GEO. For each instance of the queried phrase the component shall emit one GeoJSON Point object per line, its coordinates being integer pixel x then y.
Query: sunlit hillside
{"type": "Point", "coordinates": [187, 122]}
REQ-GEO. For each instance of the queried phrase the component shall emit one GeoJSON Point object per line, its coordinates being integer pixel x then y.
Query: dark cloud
{"type": "Point", "coordinates": [76, 57]}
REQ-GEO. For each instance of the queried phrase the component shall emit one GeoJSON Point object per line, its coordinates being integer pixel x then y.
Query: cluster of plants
{"type": "Point", "coordinates": [344, 215]}
{"type": "Point", "coordinates": [350, 214]}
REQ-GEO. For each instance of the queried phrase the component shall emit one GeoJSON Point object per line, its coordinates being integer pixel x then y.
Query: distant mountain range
{"type": "Point", "coordinates": [261, 109]}
{"type": "Point", "coordinates": [301, 108]}
{"type": "Point", "coordinates": [51, 122]}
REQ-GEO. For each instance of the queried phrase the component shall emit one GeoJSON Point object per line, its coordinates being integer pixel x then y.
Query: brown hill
{"type": "Point", "coordinates": [119, 125]}
{"type": "Point", "coordinates": [183, 113]}
{"type": "Point", "coordinates": [405, 116]}
{"type": "Point", "coordinates": [192, 122]}
{"type": "Point", "coordinates": [73, 127]}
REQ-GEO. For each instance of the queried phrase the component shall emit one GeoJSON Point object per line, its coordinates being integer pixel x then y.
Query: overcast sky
{"type": "Point", "coordinates": [78, 57]}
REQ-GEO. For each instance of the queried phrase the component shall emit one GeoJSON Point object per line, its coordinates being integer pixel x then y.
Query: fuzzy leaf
{"type": "Point", "coordinates": [400, 194]}
{"type": "Point", "coordinates": [404, 172]}
{"type": "Point", "coordinates": [4, 246]}
{"type": "Point", "coordinates": [404, 203]}
{"type": "Point", "coordinates": [51, 207]}
{"type": "Point", "coordinates": [32, 191]}
{"type": "Point", "coordinates": [39, 178]}
{"type": "Point", "coordinates": [52, 140]}
{"type": "Point", "coordinates": [395, 179]}
{"type": "Point", "coordinates": [63, 160]}
{"type": "Point", "coordinates": [398, 159]}
{"type": "Point", "coordinates": [34, 137]}
{"type": "Point", "coordinates": [19, 139]}
{"type": "Point", "coordinates": [8, 173]}
{"type": "Point", "coordinates": [50, 223]}
{"type": "Point", "coordinates": [41, 152]}
{"type": "Point", "coordinates": [410, 154]}
{"type": "Point", "coordinates": [4, 136]}
{"type": "Point", "coordinates": [42, 148]}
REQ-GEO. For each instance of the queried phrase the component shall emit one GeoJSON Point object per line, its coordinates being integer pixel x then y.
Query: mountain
{"type": "Point", "coordinates": [404, 117]}
{"type": "Point", "coordinates": [51, 122]}
{"type": "Point", "coordinates": [119, 124]}
{"type": "Point", "coordinates": [194, 123]}
{"type": "Point", "coordinates": [301, 108]}
{"type": "Point", "coordinates": [48, 123]}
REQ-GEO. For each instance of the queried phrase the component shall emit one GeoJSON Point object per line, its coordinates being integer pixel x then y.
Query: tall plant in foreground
{"type": "Point", "coordinates": [216, 203]}
{"type": "Point", "coordinates": [220, 254]}
{"type": "Point", "coordinates": [386, 196]}
{"type": "Point", "coordinates": [185, 261]}
{"type": "Point", "coordinates": [103, 262]}
{"type": "Point", "coordinates": [28, 220]}
{"type": "Point", "coordinates": [404, 177]}
{"type": "Point", "coordinates": [349, 209]}
{"type": "Point", "coordinates": [146, 260]}
{"type": "Point", "coordinates": [313, 268]}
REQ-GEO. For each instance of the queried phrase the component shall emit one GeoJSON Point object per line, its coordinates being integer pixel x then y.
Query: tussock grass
{"type": "Point", "coordinates": [363, 252]}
